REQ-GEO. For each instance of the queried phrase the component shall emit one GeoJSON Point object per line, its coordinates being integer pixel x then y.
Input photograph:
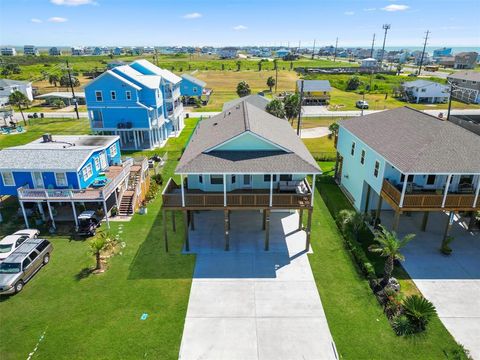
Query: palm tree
{"type": "Point", "coordinates": [239, 64]}
{"type": "Point", "coordinates": [291, 104]}
{"type": "Point", "coordinates": [388, 245]}
{"type": "Point", "coordinates": [97, 245]}
{"type": "Point", "coordinates": [270, 82]}
{"type": "Point", "coordinates": [275, 107]}
{"type": "Point", "coordinates": [243, 89]}
{"type": "Point", "coordinates": [260, 65]}
{"type": "Point", "coordinates": [419, 311]}
{"type": "Point", "coordinates": [53, 79]}
{"type": "Point", "coordinates": [352, 222]}
{"type": "Point", "coordinates": [19, 99]}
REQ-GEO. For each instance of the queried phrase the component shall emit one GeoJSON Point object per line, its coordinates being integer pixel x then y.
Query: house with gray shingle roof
{"type": "Point", "coordinates": [243, 159]}
{"type": "Point", "coordinates": [425, 91]}
{"type": "Point", "coordinates": [405, 160]}
{"type": "Point", "coordinates": [315, 92]}
{"type": "Point", "coordinates": [257, 100]}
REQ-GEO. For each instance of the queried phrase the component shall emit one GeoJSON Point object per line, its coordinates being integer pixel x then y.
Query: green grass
{"type": "Point", "coordinates": [356, 320]}
{"type": "Point", "coordinates": [318, 145]}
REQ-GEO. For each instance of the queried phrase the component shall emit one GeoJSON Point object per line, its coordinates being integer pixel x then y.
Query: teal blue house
{"type": "Point", "coordinates": [191, 86]}
{"type": "Point", "coordinates": [404, 160]}
{"type": "Point", "coordinates": [139, 102]}
{"type": "Point", "coordinates": [243, 159]}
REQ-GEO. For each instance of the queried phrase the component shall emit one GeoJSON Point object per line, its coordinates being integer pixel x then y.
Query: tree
{"type": "Point", "coordinates": [275, 64]}
{"type": "Point", "coordinates": [352, 222]}
{"type": "Point", "coordinates": [388, 246]}
{"type": "Point", "coordinates": [292, 105]}
{"type": "Point", "coordinates": [97, 245]}
{"type": "Point", "coordinates": [19, 99]}
{"type": "Point", "coordinates": [53, 79]}
{"type": "Point", "coordinates": [353, 83]}
{"type": "Point", "coordinates": [260, 65]}
{"type": "Point", "coordinates": [58, 103]}
{"type": "Point", "coordinates": [270, 82]}
{"type": "Point", "coordinates": [275, 107]}
{"type": "Point", "coordinates": [419, 311]}
{"type": "Point", "coordinates": [65, 81]}
{"type": "Point", "coordinates": [239, 65]}
{"type": "Point", "coordinates": [243, 89]}
{"type": "Point", "coordinates": [333, 127]}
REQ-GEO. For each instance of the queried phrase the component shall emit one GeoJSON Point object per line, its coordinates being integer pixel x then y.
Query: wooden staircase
{"type": "Point", "coordinates": [126, 204]}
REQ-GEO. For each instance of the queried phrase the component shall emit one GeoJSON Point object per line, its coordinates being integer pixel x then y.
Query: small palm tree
{"type": "Point", "coordinates": [333, 127]}
{"type": "Point", "coordinates": [270, 82]}
{"type": "Point", "coordinates": [292, 106]}
{"type": "Point", "coordinates": [419, 311]}
{"type": "Point", "coordinates": [243, 89]}
{"type": "Point", "coordinates": [275, 107]}
{"type": "Point", "coordinates": [97, 245]}
{"type": "Point", "coordinates": [352, 222]}
{"type": "Point", "coordinates": [19, 99]}
{"type": "Point", "coordinates": [239, 65]}
{"type": "Point", "coordinates": [388, 245]}
{"type": "Point", "coordinates": [53, 79]}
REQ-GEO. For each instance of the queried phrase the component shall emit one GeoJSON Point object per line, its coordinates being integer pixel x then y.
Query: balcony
{"type": "Point", "coordinates": [244, 198]}
{"type": "Point", "coordinates": [428, 200]}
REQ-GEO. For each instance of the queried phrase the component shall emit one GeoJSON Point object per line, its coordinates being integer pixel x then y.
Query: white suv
{"type": "Point", "coordinates": [9, 243]}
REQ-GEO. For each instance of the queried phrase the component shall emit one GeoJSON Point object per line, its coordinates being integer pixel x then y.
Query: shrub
{"type": "Point", "coordinates": [353, 83]}
{"type": "Point", "coordinates": [402, 326]}
{"type": "Point", "coordinates": [158, 179]}
{"type": "Point", "coordinates": [419, 311]}
{"type": "Point", "coordinates": [152, 191]}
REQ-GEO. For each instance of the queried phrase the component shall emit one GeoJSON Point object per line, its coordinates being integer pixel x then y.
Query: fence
{"type": "Point", "coordinates": [324, 156]}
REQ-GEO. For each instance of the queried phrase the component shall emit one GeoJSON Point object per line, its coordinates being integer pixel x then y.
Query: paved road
{"type": "Point", "coordinates": [248, 304]}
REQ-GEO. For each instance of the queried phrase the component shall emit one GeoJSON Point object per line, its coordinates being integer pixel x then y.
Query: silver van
{"type": "Point", "coordinates": [23, 263]}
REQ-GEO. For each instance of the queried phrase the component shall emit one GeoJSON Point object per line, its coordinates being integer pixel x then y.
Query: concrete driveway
{"type": "Point", "coordinates": [451, 283]}
{"type": "Point", "coordinates": [248, 303]}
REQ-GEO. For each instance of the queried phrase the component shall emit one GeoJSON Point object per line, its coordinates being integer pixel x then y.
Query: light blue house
{"type": "Point", "coordinates": [191, 86]}
{"type": "Point", "coordinates": [282, 53]}
{"type": "Point", "coordinates": [443, 52]}
{"type": "Point", "coordinates": [65, 170]}
{"type": "Point", "coordinates": [139, 102]}
{"type": "Point", "coordinates": [243, 159]}
{"type": "Point", "coordinates": [405, 160]}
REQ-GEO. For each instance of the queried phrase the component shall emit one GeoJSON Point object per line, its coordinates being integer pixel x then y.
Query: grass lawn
{"type": "Point", "coordinates": [99, 316]}
{"type": "Point", "coordinates": [319, 145]}
{"type": "Point", "coordinates": [356, 320]}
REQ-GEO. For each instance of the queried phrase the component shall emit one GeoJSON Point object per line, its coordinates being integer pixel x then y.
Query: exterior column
{"type": "Point", "coordinates": [183, 191]}
{"type": "Point", "coordinates": [309, 230]}
{"type": "Point", "coordinates": [313, 189]}
{"type": "Point", "coordinates": [51, 214]}
{"type": "Point", "coordinates": [449, 225]}
{"type": "Point", "coordinates": [40, 209]}
{"type": "Point", "coordinates": [24, 215]}
{"type": "Point", "coordinates": [264, 218]}
{"type": "Point", "coordinates": [300, 219]}
{"type": "Point", "coordinates": [396, 220]}
{"type": "Point", "coordinates": [185, 220]}
{"type": "Point", "coordinates": [227, 235]}
{"type": "Point", "coordinates": [404, 189]}
{"type": "Point", "coordinates": [472, 220]}
{"type": "Point", "coordinates": [447, 185]}
{"type": "Point", "coordinates": [116, 199]}
{"type": "Point", "coordinates": [74, 214]}
{"type": "Point", "coordinates": [224, 190]}
{"type": "Point", "coordinates": [267, 230]}
{"type": "Point", "coordinates": [367, 200]}
{"type": "Point", "coordinates": [425, 220]}
{"type": "Point", "coordinates": [106, 214]}
{"type": "Point", "coordinates": [150, 134]}
{"type": "Point", "coordinates": [475, 200]}
{"type": "Point", "coordinates": [229, 222]}
{"type": "Point", "coordinates": [379, 207]}
{"type": "Point", "coordinates": [174, 227]}
{"type": "Point", "coordinates": [271, 191]}
{"type": "Point", "coordinates": [164, 215]}
{"type": "Point", "coordinates": [192, 220]}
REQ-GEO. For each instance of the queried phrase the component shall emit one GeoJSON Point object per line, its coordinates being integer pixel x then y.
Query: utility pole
{"type": "Point", "coordinates": [335, 53]}
{"type": "Point", "coordinates": [299, 123]}
{"type": "Point", "coordinates": [313, 52]}
{"type": "Point", "coordinates": [373, 44]}
{"type": "Point", "coordinates": [423, 52]}
{"type": "Point", "coordinates": [74, 98]}
{"type": "Point", "coordinates": [299, 46]}
{"type": "Point", "coordinates": [385, 27]}
{"type": "Point", "coordinates": [276, 74]}
{"type": "Point", "coordinates": [450, 101]}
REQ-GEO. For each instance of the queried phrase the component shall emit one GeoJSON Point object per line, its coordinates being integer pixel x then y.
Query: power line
{"type": "Point", "coordinates": [423, 52]}
{"type": "Point", "coordinates": [385, 27]}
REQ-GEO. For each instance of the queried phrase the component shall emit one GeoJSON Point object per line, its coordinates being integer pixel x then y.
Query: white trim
{"type": "Point", "coordinates": [3, 179]}
{"type": "Point", "coordinates": [56, 179]}
{"type": "Point", "coordinates": [41, 178]}
{"type": "Point", "coordinates": [404, 188]}
{"type": "Point", "coordinates": [113, 95]}
{"type": "Point", "coordinates": [85, 172]}
{"type": "Point", "coordinates": [96, 96]}
{"type": "Point", "coordinates": [183, 191]}
{"type": "Point", "coordinates": [475, 200]}
{"type": "Point", "coordinates": [128, 95]}
{"type": "Point", "coordinates": [96, 161]}
{"type": "Point", "coordinates": [110, 72]}
{"type": "Point", "coordinates": [250, 133]}
{"type": "Point", "coordinates": [313, 190]}
{"type": "Point", "coordinates": [447, 185]}
{"type": "Point", "coordinates": [224, 190]}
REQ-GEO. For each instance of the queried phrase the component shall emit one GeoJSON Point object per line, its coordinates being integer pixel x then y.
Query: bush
{"type": "Point", "coordinates": [152, 191]}
{"type": "Point", "coordinates": [419, 311]}
{"type": "Point", "coordinates": [353, 83]}
{"type": "Point", "coordinates": [402, 326]}
{"type": "Point", "coordinates": [158, 179]}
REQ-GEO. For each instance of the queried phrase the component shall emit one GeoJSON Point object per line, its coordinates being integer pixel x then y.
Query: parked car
{"type": "Point", "coordinates": [361, 104]}
{"type": "Point", "coordinates": [20, 266]}
{"type": "Point", "coordinates": [87, 223]}
{"type": "Point", "coordinates": [10, 242]}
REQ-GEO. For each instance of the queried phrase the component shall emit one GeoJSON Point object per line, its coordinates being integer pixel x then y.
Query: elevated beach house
{"type": "Point", "coordinates": [243, 159]}
{"type": "Point", "coordinates": [193, 88]}
{"type": "Point", "coordinates": [404, 160]}
{"type": "Point", "coordinates": [139, 102]}
{"type": "Point", "coordinates": [315, 92]}
{"type": "Point", "coordinates": [58, 176]}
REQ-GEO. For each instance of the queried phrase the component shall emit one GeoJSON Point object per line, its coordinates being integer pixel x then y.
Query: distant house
{"type": "Point", "coordinates": [443, 52]}
{"type": "Point", "coordinates": [466, 86]}
{"type": "Point", "coordinates": [191, 87]}
{"type": "Point", "coordinates": [118, 51]}
{"type": "Point", "coordinates": [97, 51]}
{"type": "Point", "coordinates": [465, 60]}
{"type": "Point", "coordinates": [228, 53]}
{"type": "Point", "coordinates": [282, 53]}
{"type": "Point", "coordinates": [315, 92]}
{"type": "Point", "coordinates": [114, 63]}
{"type": "Point", "coordinates": [64, 96]}
{"type": "Point", "coordinates": [9, 86]}
{"type": "Point", "coordinates": [369, 63]}
{"type": "Point", "coordinates": [30, 50]}
{"type": "Point", "coordinates": [54, 51]}
{"type": "Point", "coordinates": [447, 61]}
{"type": "Point", "coordinates": [424, 91]}
{"type": "Point", "coordinates": [8, 51]}
{"type": "Point", "coordinates": [77, 51]}
{"type": "Point", "coordinates": [256, 100]}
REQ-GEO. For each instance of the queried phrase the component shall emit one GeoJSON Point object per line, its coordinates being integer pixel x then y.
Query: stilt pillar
{"type": "Point", "coordinates": [471, 223]}
{"type": "Point", "coordinates": [300, 219]}
{"type": "Point", "coordinates": [229, 222]}
{"type": "Point", "coordinates": [449, 225]}
{"type": "Point", "coordinates": [267, 230]}
{"type": "Point", "coordinates": [105, 210]}
{"type": "Point", "coordinates": [187, 240]}
{"type": "Point", "coordinates": [309, 229]}
{"type": "Point", "coordinates": [174, 227]}
{"type": "Point", "coordinates": [24, 215]}
{"type": "Point", "coordinates": [192, 220]}
{"type": "Point", "coordinates": [425, 220]}
{"type": "Point", "coordinates": [264, 218]}
{"type": "Point", "coordinates": [165, 237]}
{"type": "Point", "coordinates": [379, 208]}
{"type": "Point", "coordinates": [396, 220]}
{"type": "Point", "coordinates": [75, 215]}
{"type": "Point", "coordinates": [367, 200]}
{"type": "Point", "coordinates": [227, 235]}
{"type": "Point", "coordinates": [51, 214]}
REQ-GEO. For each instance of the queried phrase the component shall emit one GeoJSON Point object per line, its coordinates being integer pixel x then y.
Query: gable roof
{"type": "Point", "coordinates": [117, 76]}
{"type": "Point", "coordinates": [256, 100]}
{"type": "Point", "coordinates": [198, 157]}
{"type": "Point", "coordinates": [465, 75]}
{"type": "Point", "coordinates": [421, 83]}
{"type": "Point", "coordinates": [167, 75]}
{"type": "Point", "coordinates": [418, 143]}
{"type": "Point", "coordinates": [314, 85]}
{"type": "Point", "coordinates": [194, 80]}
{"type": "Point", "coordinates": [150, 81]}
{"type": "Point", "coordinates": [8, 82]}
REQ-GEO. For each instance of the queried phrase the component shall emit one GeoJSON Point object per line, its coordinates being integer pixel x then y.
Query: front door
{"type": "Point", "coordinates": [37, 180]}
{"type": "Point", "coordinates": [247, 181]}
{"type": "Point", "coordinates": [103, 160]}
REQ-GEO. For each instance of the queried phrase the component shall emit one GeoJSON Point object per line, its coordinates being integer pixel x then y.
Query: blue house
{"type": "Point", "coordinates": [243, 159]}
{"type": "Point", "coordinates": [191, 86]}
{"type": "Point", "coordinates": [139, 102]}
{"type": "Point", "coordinates": [65, 169]}
{"type": "Point", "coordinates": [282, 53]}
{"type": "Point", "coordinates": [404, 160]}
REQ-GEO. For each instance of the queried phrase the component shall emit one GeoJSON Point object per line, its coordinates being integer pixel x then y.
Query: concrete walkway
{"type": "Point", "coordinates": [251, 304]}
{"type": "Point", "coordinates": [451, 283]}
{"type": "Point", "coordinates": [316, 132]}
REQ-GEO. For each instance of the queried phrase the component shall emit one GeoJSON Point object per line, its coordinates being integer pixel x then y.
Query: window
{"type": "Point", "coordinates": [266, 178]}
{"type": "Point", "coordinates": [376, 170]}
{"type": "Point", "coordinates": [424, 90]}
{"type": "Point", "coordinates": [234, 179]}
{"type": "Point", "coordinates": [466, 179]}
{"type": "Point", "coordinates": [25, 263]}
{"type": "Point", "coordinates": [61, 179]}
{"type": "Point", "coordinates": [431, 179]}
{"type": "Point", "coordinates": [285, 177]}
{"type": "Point", "coordinates": [42, 246]}
{"type": "Point", "coordinates": [97, 163]}
{"type": "Point", "coordinates": [128, 95]}
{"type": "Point", "coordinates": [113, 150]}
{"type": "Point", "coordinates": [98, 96]}
{"type": "Point", "coordinates": [194, 89]}
{"type": "Point", "coordinates": [216, 179]}
{"type": "Point", "coordinates": [352, 151]}
{"type": "Point", "coordinates": [410, 178]}
{"type": "Point", "coordinates": [8, 179]}
{"type": "Point", "coordinates": [103, 160]}
{"type": "Point", "coordinates": [87, 172]}
{"type": "Point", "coordinates": [33, 255]}
{"type": "Point", "coordinates": [113, 95]}
{"type": "Point", "coordinates": [362, 157]}
{"type": "Point", "coordinates": [21, 240]}
{"type": "Point", "coordinates": [200, 179]}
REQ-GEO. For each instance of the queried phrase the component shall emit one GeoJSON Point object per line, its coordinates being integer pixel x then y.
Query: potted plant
{"type": "Point", "coordinates": [114, 211]}
{"type": "Point", "coordinates": [143, 208]}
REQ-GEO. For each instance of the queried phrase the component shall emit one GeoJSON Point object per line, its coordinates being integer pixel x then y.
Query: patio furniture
{"type": "Point", "coordinates": [288, 185]}
{"type": "Point", "coordinates": [465, 188]}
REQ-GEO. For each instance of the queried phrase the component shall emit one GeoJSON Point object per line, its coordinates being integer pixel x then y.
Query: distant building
{"type": "Point", "coordinates": [465, 60]}
{"type": "Point", "coordinates": [466, 86]}
{"type": "Point", "coordinates": [30, 50]}
{"type": "Point", "coordinates": [377, 53]}
{"type": "Point", "coordinates": [426, 59]}
{"type": "Point", "coordinates": [8, 51]}
{"type": "Point", "coordinates": [228, 53]}
{"type": "Point", "coordinates": [78, 51]}
{"type": "Point", "coordinates": [423, 91]}
{"type": "Point", "coordinates": [64, 96]}
{"type": "Point", "coordinates": [315, 92]}
{"type": "Point", "coordinates": [114, 63]}
{"type": "Point", "coordinates": [54, 51]}
{"type": "Point", "coordinates": [282, 53]}
{"type": "Point", "coordinates": [439, 53]}
{"type": "Point", "coordinates": [191, 86]}
{"type": "Point", "coordinates": [9, 86]}
{"type": "Point", "coordinates": [118, 51]}
{"type": "Point", "coordinates": [97, 51]}
{"type": "Point", "coordinates": [447, 61]}
{"type": "Point", "coordinates": [369, 63]}
{"type": "Point", "coordinates": [148, 50]}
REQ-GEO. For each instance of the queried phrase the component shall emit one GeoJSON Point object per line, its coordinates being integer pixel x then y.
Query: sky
{"type": "Point", "coordinates": [238, 22]}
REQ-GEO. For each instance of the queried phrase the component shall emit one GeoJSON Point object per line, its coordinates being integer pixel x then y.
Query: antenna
{"type": "Point", "coordinates": [423, 52]}
{"type": "Point", "coordinates": [385, 27]}
{"type": "Point", "coordinates": [335, 54]}
{"type": "Point", "coordinates": [373, 44]}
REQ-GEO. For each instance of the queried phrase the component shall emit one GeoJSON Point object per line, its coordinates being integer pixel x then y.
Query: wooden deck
{"type": "Point", "coordinates": [424, 201]}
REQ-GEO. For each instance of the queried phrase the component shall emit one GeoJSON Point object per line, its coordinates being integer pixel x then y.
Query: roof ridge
{"type": "Point", "coordinates": [245, 117]}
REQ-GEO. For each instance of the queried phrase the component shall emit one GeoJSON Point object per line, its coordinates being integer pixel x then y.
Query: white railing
{"type": "Point", "coordinates": [112, 185]}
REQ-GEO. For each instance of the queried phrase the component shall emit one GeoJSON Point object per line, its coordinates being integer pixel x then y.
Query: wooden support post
{"type": "Point", "coordinates": [226, 226]}
{"type": "Point", "coordinates": [300, 219]}
{"type": "Point", "coordinates": [309, 229]}
{"type": "Point", "coordinates": [267, 230]}
{"type": "Point", "coordinates": [264, 219]}
{"type": "Point", "coordinates": [24, 215]}
{"type": "Point", "coordinates": [164, 212]}
{"type": "Point", "coordinates": [192, 220]}
{"type": "Point", "coordinates": [379, 208]}
{"type": "Point", "coordinates": [425, 220]}
{"type": "Point", "coordinates": [471, 223]}
{"type": "Point", "coordinates": [449, 225]}
{"type": "Point", "coordinates": [367, 200]}
{"type": "Point", "coordinates": [51, 215]}
{"type": "Point", "coordinates": [396, 220]}
{"type": "Point", "coordinates": [187, 241]}
{"type": "Point", "coordinates": [174, 227]}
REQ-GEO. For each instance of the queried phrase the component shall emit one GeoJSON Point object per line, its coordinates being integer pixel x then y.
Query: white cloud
{"type": "Point", "coordinates": [240, 27]}
{"type": "Point", "coordinates": [73, 2]}
{"type": "Point", "coordinates": [396, 7]}
{"type": "Point", "coordinates": [37, 21]}
{"type": "Point", "coordinates": [194, 15]}
{"type": "Point", "coordinates": [349, 13]}
{"type": "Point", "coordinates": [370, 9]}
{"type": "Point", "coordinates": [57, 19]}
